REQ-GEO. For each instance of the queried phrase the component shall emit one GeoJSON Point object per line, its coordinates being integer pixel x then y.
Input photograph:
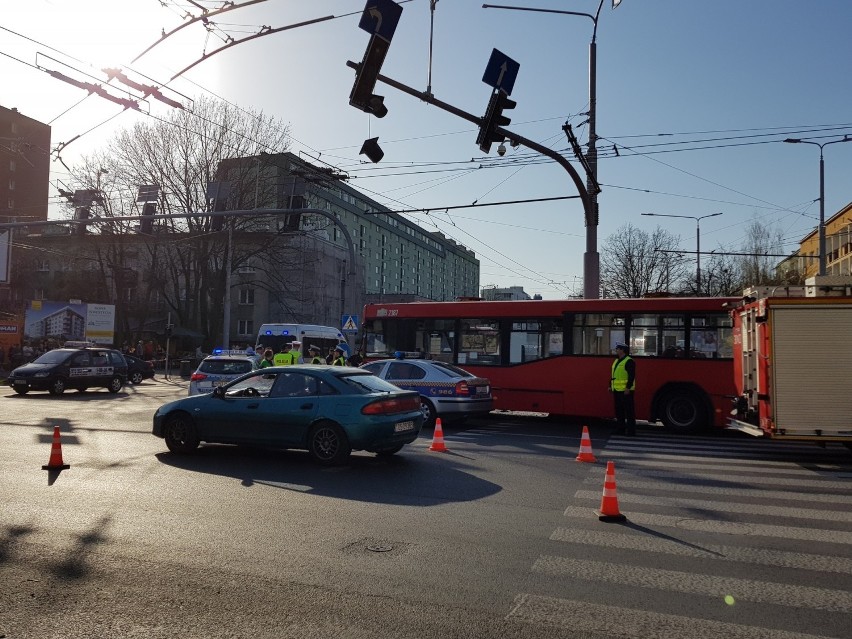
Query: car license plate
{"type": "Point", "coordinates": [481, 390]}
{"type": "Point", "coordinates": [403, 426]}
{"type": "Point", "coordinates": [205, 388]}
{"type": "Point", "coordinates": [21, 382]}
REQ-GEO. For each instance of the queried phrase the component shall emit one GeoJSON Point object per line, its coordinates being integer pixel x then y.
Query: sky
{"type": "Point", "coordinates": [696, 97]}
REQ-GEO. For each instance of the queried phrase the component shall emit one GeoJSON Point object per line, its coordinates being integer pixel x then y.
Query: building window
{"type": "Point", "coordinates": [247, 296]}
{"type": "Point", "coordinates": [248, 267]}
{"type": "Point", "coordinates": [38, 294]}
{"type": "Point", "coordinates": [12, 165]}
{"type": "Point", "coordinates": [43, 266]}
{"type": "Point", "coordinates": [11, 203]}
{"type": "Point", "coordinates": [11, 184]}
{"type": "Point", "coordinates": [245, 327]}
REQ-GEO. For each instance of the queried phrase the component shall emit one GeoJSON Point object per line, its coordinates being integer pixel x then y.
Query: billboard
{"type": "Point", "coordinates": [63, 321]}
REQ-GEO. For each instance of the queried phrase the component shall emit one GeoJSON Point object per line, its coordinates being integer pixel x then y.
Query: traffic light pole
{"type": "Point", "coordinates": [591, 259]}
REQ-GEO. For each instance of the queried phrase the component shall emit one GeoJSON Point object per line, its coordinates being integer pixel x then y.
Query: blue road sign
{"type": "Point", "coordinates": [349, 323]}
{"type": "Point", "coordinates": [501, 72]}
{"type": "Point", "coordinates": [380, 18]}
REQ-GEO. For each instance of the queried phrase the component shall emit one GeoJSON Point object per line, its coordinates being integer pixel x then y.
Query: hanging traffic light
{"type": "Point", "coordinates": [379, 19]}
{"type": "Point", "coordinates": [372, 150]}
{"type": "Point", "coordinates": [146, 226]}
{"type": "Point", "coordinates": [493, 119]}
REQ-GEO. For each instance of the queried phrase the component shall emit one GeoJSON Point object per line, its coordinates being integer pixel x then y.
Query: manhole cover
{"type": "Point", "coordinates": [379, 548]}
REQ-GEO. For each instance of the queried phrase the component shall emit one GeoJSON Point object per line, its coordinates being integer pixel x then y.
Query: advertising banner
{"type": "Point", "coordinates": [58, 322]}
{"type": "Point", "coordinates": [100, 323]}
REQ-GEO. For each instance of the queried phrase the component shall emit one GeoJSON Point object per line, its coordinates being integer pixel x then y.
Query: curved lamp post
{"type": "Point", "coordinates": [821, 231]}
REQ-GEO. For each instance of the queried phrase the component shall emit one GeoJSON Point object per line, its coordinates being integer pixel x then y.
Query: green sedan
{"type": "Point", "coordinates": [327, 410]}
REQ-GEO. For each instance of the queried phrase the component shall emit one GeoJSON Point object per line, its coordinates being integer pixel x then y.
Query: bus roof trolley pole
{"type": "Point", "coordinates": [591, 259]}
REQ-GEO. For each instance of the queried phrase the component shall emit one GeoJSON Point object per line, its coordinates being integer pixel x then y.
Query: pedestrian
{"type": "Point", "coordinates": [623, 384]}
{"type": "Point", "coordinates": [356, 359]}
{"type": "Point", "coordinates": [329, 359]}
{"type": "Point", "coordinates": [314, 354]}
{"type": "Point", "coordinates": [293, 356]}
{"type": "Point", "coordinates": [249, 350]}
{"type": "Point", "coordinates": [339, 357]}
{"type": "Point", "coordinates": [268, 358]}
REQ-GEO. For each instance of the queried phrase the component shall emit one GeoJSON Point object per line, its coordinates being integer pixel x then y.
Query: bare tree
{"type": "Point", "coordinates": [755, 265]}
{"type": "Point", "coordinates": [181, 154]}
{"type": "Point", "coordinates": [635, 263]}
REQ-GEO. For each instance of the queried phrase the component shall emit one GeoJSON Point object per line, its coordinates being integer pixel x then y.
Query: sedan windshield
{"type": "Point", "coordinates": [364, 383]}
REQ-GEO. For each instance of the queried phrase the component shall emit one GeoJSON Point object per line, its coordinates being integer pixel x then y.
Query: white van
{"type": "Point", "coordinates": [278, 336]}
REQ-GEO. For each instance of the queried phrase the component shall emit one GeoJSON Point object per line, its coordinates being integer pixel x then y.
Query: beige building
{"type": "Point", "coordinates": [838, 249]}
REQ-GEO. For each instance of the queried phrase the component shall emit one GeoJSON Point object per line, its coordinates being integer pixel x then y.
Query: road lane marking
{"type": "Point", "coordinates": [715, 526]}
{"type": "Point", "coordinates": [614, 621]}
{"type": "Point", "coordinates": [726, 507]}
{"type": "Point", "coordinates": [760, 556]}
{"type": "Point", "coordinates": [768, 592]}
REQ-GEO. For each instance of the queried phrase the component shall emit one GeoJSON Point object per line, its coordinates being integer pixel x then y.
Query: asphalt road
{"type": "Point", "coordinates": [726, 535]}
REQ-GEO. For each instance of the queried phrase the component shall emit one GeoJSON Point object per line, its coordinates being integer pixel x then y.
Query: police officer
{"type": "Point", "coordinates": [293, 356]}
{"type": "Point", "coordinates": [623, 384]}
{"type": "Point", "coordinates": [314, 352]}
{"type": "Point", "coordinates": [339, 357]}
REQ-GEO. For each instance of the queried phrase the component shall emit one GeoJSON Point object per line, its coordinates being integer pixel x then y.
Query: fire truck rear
{"type": "Point", "coordinates": [793, 361]}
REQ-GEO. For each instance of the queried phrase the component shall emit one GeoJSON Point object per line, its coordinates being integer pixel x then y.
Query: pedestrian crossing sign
{"type": "Point", "coordinates": [350, 323]}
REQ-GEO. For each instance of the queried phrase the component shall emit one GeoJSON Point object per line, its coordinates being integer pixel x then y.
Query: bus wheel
{"type": "Point", "coordinates": [682, 411]}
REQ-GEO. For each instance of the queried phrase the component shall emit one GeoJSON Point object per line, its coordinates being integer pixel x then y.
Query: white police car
{"type": "Point", "coordinates": [446, 391]}
{"type": "Point", "coordinates": [218, 369]}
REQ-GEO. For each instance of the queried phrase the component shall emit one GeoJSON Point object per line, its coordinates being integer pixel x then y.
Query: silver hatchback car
{"type": "Point", "coordinates": [446, 391]}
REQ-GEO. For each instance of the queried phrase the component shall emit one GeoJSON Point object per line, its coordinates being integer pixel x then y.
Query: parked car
{"type": "Point", "coordinates": [79, 368]}
{"type": "Point", "coordinates": [327, 410]}
{"type": "Point", "coordinates": [219, 369]}
{"type": "Point", "coordinates": [446, 391]}
{"type": "Point", "coordinates": [138, 369]}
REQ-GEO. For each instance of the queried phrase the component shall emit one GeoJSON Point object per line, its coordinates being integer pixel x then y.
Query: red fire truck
{"type": "Point", "coordinates": [792, 359]}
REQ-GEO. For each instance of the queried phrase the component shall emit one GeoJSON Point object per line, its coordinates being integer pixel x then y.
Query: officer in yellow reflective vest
{"type": "Point", "coordinates": [623, 384]}
{"type": "Point", "coordinates": [339, 357]}
{"type": "Point", "coordinates": [314, 353]}
{"type": "Point", "coordinates": [293, 356]}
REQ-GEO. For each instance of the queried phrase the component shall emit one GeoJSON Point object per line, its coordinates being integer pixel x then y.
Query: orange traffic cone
{"type": "Point", "coordinates": [438, 438]}
{"type": "Point", "coordinates": [586, 454]}
{"type": "Point", "coordinates": [55, 462]}
{"type": "Point", "coordinates": [609, 501]}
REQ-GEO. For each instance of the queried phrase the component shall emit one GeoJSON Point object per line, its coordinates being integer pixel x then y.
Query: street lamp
{"type": "Point", "coordinates": [821, 229]}
{"type": "Point", "coordinates": [697, 219]}
{"type": "Point", "coordinates": [591, 259]}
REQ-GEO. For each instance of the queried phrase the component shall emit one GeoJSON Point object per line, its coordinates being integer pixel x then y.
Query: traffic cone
{"type": "Point", "coordinates": [586, 454]}
{"type": "Point", "coordinates": [609, 501]}
{"type": "Point", "coordinates": [438, 438]}
{"type": "Point", "coordinates": [55, 462]}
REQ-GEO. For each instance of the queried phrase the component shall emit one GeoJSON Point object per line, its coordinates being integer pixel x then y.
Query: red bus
{"type": "Point", "coordinates": [555, 356]}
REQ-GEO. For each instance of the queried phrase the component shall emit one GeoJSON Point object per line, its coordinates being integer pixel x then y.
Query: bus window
{"type": "Point", "coordinates": [643, 334]}
{"type": "Point", "coordinates": [437, 338]}
{"type": "Point", "coordinates": [711, 336]}
{"type": "Point", "coordinates": [480, 343]}
{"type": "Point", "coordinates": [533, 340]}
{"type": "Point", "coordinates": [674, 336]}
{"type": "Point", "coordinates": [597, 333]}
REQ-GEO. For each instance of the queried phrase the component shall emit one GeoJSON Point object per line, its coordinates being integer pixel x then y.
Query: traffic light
{"type": "Point", "coordinates": [494, 118]}
{"type": "Point", "coordinates": [372, 150]}
{"type": "Point", "coordinates": [82, 213]}
{"type": "Point", "coordinates": [362, 96]}
{"type": "Point", "coordinates": [147, 224]}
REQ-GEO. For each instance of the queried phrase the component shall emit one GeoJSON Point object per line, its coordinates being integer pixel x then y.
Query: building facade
{"type": "Point", "coordinates": [24, 167]}
{"type": "Point", "coordinates": [400, 258]}
{"type": "Point", "coordinates": [838, 249]}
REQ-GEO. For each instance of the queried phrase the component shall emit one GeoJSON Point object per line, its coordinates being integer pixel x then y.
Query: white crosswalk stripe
{"type": "Point", "coordinates": [615, 621]}
{"type": "Point", "coordinates": [694, 503]}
